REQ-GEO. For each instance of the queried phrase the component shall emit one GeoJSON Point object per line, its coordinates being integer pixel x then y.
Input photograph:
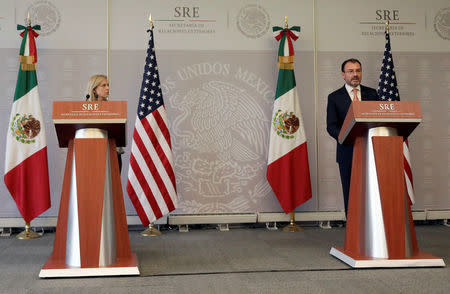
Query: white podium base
{"type": "Point", "coordinates": [89, 272]}
{"type": "Point", "coordinates": [123, 268]}
{"type": "Point", "coordinates": [421, 260]}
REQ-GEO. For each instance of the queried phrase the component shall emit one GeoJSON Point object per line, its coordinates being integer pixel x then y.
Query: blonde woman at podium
{"type": "Point", "coordinates": [98, 90]}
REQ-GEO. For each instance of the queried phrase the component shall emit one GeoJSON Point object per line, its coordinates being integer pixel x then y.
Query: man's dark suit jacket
{"type": "Point", "coordinates": [338, 104]}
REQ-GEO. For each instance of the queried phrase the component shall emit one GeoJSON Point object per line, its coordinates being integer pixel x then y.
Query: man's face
{"type": "Point", "coordinates": [352, 74]}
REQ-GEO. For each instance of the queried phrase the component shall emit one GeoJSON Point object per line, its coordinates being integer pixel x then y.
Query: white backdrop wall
{"type": "Point", "coordinates": [217, 61]}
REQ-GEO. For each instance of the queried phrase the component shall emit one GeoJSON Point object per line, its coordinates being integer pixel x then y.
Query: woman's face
{"type": "Point", "coordinates": [102, 90]}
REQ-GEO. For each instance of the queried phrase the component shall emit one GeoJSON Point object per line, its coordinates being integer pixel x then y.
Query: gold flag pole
{"type": "Point", "coordinates": [151, 231]}
{"type": "Point", "coordinates": [28, 233]}
{"type": "Point", "coordinates": [292, 227]}
{"type": "Point", "coordinates": [387, 26]}
{"type": "Point", "coordinates": [151, 21]}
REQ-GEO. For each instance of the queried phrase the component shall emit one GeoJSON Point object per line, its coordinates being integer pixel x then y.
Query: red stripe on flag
{"type": "Point", "coordinates": [162, 125]}
{"type": "Point", "coordinates": [406, 165]}
{"type": "Point", "coordinates": [162, 156]}
{"type": "Point", "coordinates": [408, 170]}
{"type": "Point", "coordinates": [289, 178]}
{"type": "Point", "coordinates": [165, 131]}
{"type": "Point", "coordinates": [29, 185]}
{"type": "Point", "coordinates": [149, 162]}
{"type": "Point", "coordinates": [145, 187]}
{"type": "Point", "coordinates": [137, 204]}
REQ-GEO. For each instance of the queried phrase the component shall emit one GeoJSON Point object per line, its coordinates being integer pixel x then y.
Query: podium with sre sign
{"type": "Point", "coordinates": [380, 230]}
{"type": "Point", "coordinates": [91, 233]}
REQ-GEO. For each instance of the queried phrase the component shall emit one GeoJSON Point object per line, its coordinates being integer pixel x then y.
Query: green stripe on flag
{"type": "Point", "coordinates": [24, 41]}
{"type": "Point", "coordinates": [26, 81]}
{"type": "Point", "coordinates": [281, 47]}
{"type": "Point", "coordinates": [286, 82]}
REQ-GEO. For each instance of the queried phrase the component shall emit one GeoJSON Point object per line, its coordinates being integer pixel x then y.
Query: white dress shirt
{"type": "Point", "coordinates": [351, 93]}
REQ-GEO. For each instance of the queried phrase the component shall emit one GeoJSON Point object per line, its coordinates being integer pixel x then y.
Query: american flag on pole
{"type": "Point", "coordinates": [388, 91]}
{"type": "Point", "coordinates": [151, 179]}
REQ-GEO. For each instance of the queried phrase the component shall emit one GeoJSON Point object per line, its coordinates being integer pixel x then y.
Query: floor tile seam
{"type": "Point", "coordinates": [247, 272]}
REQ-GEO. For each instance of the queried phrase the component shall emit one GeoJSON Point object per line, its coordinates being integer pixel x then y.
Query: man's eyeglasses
{"type": "Point", "coordinates": [351, 71]}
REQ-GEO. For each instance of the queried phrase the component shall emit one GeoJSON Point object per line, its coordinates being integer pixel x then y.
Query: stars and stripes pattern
{"type": "Point", "coordinates": [387, 84]}
{"type": "Point", "coordinates": [151, 179]}
{"type": "Point", "coordinates": [388, 91]}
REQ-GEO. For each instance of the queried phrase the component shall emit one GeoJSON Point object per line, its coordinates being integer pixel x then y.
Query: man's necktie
{"type": "Point", "coordinates": [355, 94]}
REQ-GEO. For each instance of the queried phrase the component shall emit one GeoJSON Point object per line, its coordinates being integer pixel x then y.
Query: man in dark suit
{"type": "Point", "coordinates": [338, 104]}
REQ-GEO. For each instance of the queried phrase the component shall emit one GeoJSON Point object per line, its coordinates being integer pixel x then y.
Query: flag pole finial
{"type": "Point", "coordinates": [285, 22]}
{"type": "Point", "coordinates": [28, 19]}
{"type": "Point", "coordinates": [387, 26]}
{"type": "Point", "coordinates": [151, 21]}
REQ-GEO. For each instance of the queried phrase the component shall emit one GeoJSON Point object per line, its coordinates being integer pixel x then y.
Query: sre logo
{"type": "Point", "coordinates": [190, 12]}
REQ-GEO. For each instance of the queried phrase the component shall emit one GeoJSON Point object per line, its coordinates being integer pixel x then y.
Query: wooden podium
{"type": "Point", "coordinates": [92, 233]}
{"type": "Point", "coordinates": [380, 230]}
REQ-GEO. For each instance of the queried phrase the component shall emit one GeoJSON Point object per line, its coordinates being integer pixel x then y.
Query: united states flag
{"type": "Point", "coordinates": [151, 179]}
{"type": "Point", "coordinates": [388, 91]}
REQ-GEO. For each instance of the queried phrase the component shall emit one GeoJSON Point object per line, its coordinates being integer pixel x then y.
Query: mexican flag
{"type": "Point", "coordinates": [288, 167]}
{"type": "Point", "coordinates": [26, 165]}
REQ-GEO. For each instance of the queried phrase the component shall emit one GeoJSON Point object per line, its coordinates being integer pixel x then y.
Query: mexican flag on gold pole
{"type": "Point", "coordinates": [288, 167]}
{"type": "Point", "coordinates": [26, 165]}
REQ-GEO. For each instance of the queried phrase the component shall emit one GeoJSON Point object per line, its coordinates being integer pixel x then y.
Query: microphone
{"type": "Point", "coordinates": [87, 97]}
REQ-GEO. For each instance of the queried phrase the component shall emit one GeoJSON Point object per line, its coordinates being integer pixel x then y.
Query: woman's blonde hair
{"type": "Point", "coordinates": [93, 83]}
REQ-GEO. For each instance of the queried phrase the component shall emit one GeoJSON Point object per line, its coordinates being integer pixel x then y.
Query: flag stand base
{"type": "Point", "coordinates": [28, 233]}
{"type": "Point", "coordinates": [151, 231]}
{"type": "Point", "coordinates": [292, 227]}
